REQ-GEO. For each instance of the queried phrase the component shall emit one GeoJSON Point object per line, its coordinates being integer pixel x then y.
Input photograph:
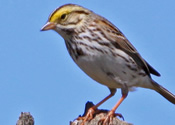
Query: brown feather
{"type": "Point", "coordinates": [119, 41]}
{"type": "Point", "coordinates": [164, 92]}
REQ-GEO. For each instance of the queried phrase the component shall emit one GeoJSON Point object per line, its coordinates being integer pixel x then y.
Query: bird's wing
{"type": "Point", "coordinates": [127, 47]}
{"type": "Point", "coordinates": [121, 42]}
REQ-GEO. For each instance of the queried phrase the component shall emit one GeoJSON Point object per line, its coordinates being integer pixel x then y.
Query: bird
{"type": "Point", "coordinates": [103, 52]}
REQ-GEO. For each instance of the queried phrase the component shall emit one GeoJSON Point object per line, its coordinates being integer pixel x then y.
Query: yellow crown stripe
{"type": "Point", "coordinates": [63, 10]}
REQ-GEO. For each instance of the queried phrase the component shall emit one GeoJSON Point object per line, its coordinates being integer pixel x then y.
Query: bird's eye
{"type": "Point", "coordinates": [63, 16]}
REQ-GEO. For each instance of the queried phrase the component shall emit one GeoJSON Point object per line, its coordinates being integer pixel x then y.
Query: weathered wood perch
{"type": "Point", "coordinates": [27, 119]}
{"type": "Point", "coordinates": [97, 118]}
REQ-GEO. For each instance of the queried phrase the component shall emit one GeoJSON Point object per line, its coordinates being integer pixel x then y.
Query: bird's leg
{"type": "Point", "coordinates": [111, 113]}
{"type": "Point", "coordinates": [91, 111]}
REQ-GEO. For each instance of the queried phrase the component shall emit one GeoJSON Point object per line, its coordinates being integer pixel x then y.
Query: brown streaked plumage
{"type": "Point", "coordinates": [102, 51]}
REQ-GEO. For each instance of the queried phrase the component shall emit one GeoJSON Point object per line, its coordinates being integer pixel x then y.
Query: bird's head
{"type": "Point", "coordinates": [66, 19]}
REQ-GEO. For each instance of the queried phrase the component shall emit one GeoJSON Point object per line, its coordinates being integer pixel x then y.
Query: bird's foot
{"type": "Point", "coordinates": [108, 119]}
{"type": "Point", "coordinates": [89, 115]}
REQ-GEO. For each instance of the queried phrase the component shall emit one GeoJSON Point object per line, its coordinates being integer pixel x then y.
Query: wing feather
{"type": "Point", "coordinates": [121, 42]}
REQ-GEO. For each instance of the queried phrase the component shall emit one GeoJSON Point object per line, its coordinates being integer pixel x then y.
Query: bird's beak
{"type": "Point", "coordinates": [48, 26]}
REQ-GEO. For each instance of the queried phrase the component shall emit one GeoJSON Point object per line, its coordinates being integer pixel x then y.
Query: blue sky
{"type": "Point", "coordinates": [37, 74]}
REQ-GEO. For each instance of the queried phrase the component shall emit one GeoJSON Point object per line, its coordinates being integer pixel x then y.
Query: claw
{"type": "Point", "coordinates": [119, 115]}
{"type": "Point", "coordinates": [109, 118]}
{"type": "Point", "coordinates": [89, 115]}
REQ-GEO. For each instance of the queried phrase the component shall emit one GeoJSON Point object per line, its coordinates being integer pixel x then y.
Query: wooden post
{"type": "Point", "coordinates": [25, 119]}
{"type": "Point", "coordinates": [97, 118]}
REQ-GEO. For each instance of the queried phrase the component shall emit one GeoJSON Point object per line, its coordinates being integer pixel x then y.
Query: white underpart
{"type": "Point", "coordinates": [107, 69]}
{"type": "Point", "coordinates": [97, 67]}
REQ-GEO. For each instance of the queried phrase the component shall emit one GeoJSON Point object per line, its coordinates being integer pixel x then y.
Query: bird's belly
{"type": "Point", "coordinates": [97, 72]}
{"type": "Point", "coordinates": [112, 71]}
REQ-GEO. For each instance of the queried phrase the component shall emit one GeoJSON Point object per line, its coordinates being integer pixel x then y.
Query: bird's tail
{"type": "Point", "coordinates": [164, 92]}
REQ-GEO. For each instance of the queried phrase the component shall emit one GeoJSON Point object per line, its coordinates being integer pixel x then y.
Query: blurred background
{"type": "Point", "coordinates": [38, 76]}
